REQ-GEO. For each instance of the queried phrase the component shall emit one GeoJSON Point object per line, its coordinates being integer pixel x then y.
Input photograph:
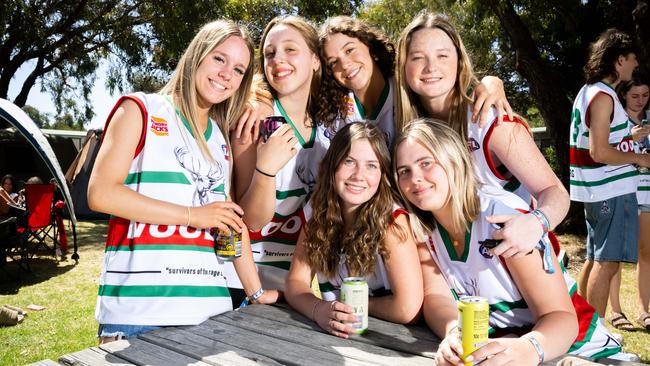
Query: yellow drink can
{"type": "Point", "coordinates": [473, 315]}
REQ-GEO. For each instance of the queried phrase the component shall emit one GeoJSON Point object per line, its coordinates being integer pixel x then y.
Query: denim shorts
{"type": "Point", "coordinates": [613, 229]}
{"type": "Point", "coordinates": [123, 331]}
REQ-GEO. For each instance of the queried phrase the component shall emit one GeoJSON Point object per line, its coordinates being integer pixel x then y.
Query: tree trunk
{"type": "Point", "coordinates": [641, 16]}
{"type": "Point", "coordinates": [547, 88]}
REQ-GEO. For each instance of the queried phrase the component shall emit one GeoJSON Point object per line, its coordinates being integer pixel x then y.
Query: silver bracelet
{"type": "Point", "coordinates": [256, 295]}
{"type": "Point", "coordinates": [536, 345]}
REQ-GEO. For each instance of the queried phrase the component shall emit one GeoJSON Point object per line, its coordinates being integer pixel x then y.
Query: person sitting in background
{"type": "Point", "coordinates": [8, 197]}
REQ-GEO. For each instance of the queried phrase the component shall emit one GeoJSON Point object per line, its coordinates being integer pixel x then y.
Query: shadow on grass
{"type": "Point", "coordinates": [42, 269]}
{"type": "Point", "coordinates": [90, 234]}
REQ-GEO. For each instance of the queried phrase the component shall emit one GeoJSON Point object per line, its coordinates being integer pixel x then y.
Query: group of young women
{"type": "Point", "coordinates": [320, 197]}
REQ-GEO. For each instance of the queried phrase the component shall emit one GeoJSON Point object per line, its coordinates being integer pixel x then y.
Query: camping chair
{"type": "Point", "coordinates": [40, 225]}
{"type": "Point", "coordinates": [12, 245]}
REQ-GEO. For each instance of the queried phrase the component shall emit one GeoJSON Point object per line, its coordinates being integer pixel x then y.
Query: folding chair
{"type": "Point", "coordinates": [40, 227]}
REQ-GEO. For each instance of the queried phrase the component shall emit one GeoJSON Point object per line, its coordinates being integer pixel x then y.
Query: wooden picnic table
{"type": "Point", "coordinates": [268, 335]}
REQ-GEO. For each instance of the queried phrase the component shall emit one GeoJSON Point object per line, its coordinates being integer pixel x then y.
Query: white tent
{"type": "Point", "coordinates": [21, 121]}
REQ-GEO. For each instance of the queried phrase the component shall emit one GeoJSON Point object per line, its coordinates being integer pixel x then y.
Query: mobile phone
{"type": "Point", "coordinates": [269, 125]}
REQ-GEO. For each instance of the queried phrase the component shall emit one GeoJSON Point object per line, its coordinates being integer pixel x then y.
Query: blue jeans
{"type": "Point", "coordinates": [124, 330]}
{"type": "Point", "coordinates": [613, 229]}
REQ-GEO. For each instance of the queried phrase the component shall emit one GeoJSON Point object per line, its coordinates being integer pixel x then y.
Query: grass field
{"type": "Point", "coordinates": [68, 291]}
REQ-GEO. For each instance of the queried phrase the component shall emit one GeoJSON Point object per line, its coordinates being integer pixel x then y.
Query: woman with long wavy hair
{"type": "Point", "coordinates": [356, 228]}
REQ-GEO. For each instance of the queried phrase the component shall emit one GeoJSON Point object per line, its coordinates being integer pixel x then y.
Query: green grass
{"type": "Point", "coordinates": [69, 291]}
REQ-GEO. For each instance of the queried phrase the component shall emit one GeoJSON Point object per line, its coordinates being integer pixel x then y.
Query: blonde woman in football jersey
{"type": "Point", "coordinates": [163, 173]}
{"type": "Point", "coordinates": [534, 316]}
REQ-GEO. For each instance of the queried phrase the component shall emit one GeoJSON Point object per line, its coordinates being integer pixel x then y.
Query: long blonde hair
{"type": "Point", "coordinates": [327, 239]}
{"type": "Point", "coordinates": [183, 81]}
{"type": "Point", "coordinates": [310, 35]}
{"type": "Point", "coordinates": [450, 150]}
{"type": "Point", "coordinates": [408, 103]}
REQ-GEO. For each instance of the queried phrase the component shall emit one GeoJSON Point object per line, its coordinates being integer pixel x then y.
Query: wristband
{"type": "Point", "coordinates": [247, 301]}
{"type": "Point", "coordinates": [256, 295]}
{"type": "Point", "coordinates": [543, 220]}
{"type": "Point", "coordinates": [313, 309]}
{"type": "Point", "coordinates": [538, 347]}
{"type": "Point", "coordinates": [264, 173]}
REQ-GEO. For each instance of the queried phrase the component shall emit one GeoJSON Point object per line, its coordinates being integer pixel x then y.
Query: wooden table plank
{"type": "Point", "coordinates": [278, 349]}
{"type": "Point", "coordinates": [141, 352]}
{"type": "Point", "coordinates": [351, 348]}
{"type": "Point", "coordinates": [415, 339]}
{"type": "Point", "coordinates": [211, 351]}
{"type": "Point", "coordinates": [45, 362]}
{"type": "Point", "coordinates": [92, 356]}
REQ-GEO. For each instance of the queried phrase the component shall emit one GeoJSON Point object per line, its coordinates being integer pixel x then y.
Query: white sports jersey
{"type": "Point", "coordinates": [166, 274]}
{"type": "Point", "coordinates": [477, 273]}
{"type": "Point", "coordinates": [383, 114]}
{"type": "Point", "coordinates": [273, 246]}
{"type": "Point", "coordinates": [643, 189]}
{"type": "Point", "coordinates": [478, 140]}
{"type": "Point", "coordinates": [591, 181]}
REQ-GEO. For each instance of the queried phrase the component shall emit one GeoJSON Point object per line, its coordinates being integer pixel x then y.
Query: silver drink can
{"type": "Point", "coordinates": [354, 292]}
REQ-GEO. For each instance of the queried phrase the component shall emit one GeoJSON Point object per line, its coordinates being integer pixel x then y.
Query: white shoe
{"type": "Point", "coordinates": [624, 356]}
{"type": "Point", "coordinates": [618, 337]}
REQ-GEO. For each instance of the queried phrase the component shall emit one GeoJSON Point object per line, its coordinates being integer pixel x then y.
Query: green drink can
{"type": "Point", "coordinates": [354, 292]}
{"type": "Point", "coordinates": [227, 245]}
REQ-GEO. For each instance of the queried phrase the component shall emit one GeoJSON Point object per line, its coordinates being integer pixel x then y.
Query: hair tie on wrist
{"type": "Point", "coordinates": [313, 310]}
{"type": "Point", "coordinates": [264, 173]}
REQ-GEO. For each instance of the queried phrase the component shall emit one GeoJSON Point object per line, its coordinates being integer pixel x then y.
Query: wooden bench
{"type": "Point", "coordinates": [269, 335]}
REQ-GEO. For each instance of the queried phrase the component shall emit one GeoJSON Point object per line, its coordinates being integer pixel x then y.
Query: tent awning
{"type": "Point", "coordinates": [21, 121]}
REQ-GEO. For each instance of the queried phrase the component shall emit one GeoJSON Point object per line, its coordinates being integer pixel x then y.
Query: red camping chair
{"type": "Point", "coordinates": [40, 225]}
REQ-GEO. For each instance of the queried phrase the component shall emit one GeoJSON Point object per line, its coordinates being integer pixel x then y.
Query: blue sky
{"type": "Point", "coordinates": [102, 100]}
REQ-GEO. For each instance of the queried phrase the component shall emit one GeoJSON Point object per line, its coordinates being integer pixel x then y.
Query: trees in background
{"type": "Point", "coordinates": [63, 42]}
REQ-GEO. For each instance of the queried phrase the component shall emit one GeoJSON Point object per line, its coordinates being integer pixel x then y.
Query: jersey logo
{"type": "Point", "coordinates": [473, 145]}
{"type": "Point", "coordinates": [226, 151]}
{"type": "Point", "coordinates": [158, 126]}
{"type": "Point", "coordinates": [485, 252]}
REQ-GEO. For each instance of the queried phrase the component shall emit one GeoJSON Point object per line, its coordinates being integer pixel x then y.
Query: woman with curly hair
{"type": "Point", "coordinates": [358, 82]}
{"type": "Point", "coordinates": [355, 228]}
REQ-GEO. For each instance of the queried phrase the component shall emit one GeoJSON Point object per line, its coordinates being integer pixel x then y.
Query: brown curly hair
{"type": "Point", "coordinates": [327, 239]}
{"type": "Point", "coordinates": [604, 52]}
{"type": "Point", "coordinates": [331, 101]}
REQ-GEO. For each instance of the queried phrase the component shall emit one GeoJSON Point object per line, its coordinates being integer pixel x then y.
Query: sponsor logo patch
{"type": "Point", "coordinates": [226, 151]}
{"type": "Point", "coordinates": [158, 126]}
